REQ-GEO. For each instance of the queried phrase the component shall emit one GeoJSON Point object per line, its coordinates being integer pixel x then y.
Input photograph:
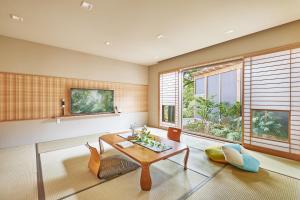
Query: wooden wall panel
{"type": "Point", "coordinates": [25, 97]}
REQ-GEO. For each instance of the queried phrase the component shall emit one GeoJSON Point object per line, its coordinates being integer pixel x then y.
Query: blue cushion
{"type": "Point", "coordinates": [250, 163]}
{"type": "Point", "coordinates": [243, 161]}
{"type": "Point", "coordinates": [234, 146]}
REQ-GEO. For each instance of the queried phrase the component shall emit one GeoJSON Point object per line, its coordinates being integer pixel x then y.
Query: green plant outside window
{"type": "Point", "coordinates": [270, 124]}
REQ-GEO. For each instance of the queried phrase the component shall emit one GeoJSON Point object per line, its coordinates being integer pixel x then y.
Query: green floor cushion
{"type": "Point", "coordinates": [216, 154]}
{"type": "Point", "coordinates": [235, 155]}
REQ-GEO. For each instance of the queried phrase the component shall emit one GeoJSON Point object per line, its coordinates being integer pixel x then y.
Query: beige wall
{"type": "Point", "coordinates": [31, 58]}
{"type": "Point", "coordinates": [271, 38]}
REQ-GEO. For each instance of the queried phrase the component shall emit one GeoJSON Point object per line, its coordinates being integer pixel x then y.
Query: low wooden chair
{"type": "Point", "coordinates": [95, 161]}
{"type": "Point", "coordinates": [112, 166]}
{"type": "Point", "coordinates": [174, 134]}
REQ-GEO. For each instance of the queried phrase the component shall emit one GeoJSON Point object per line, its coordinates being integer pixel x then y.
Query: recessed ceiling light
{"type": "Point", "coordinates": [229, 31]}
{"type": "Point", "coordinates": [107, 43]}
{"type": "Point", "coordinates": [16, 17]}
{"type": "Point", "coordinates": [160, 36]}
{"type": "Point", "coordinates": [86, 5]}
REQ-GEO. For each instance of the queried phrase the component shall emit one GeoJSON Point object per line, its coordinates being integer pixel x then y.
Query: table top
{"type": "Point", "coordinates": [142, 154]}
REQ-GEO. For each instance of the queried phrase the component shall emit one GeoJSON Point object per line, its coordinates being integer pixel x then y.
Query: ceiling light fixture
{"type": "Point", "coordinates": [16, 17]}
{"type": "Point", "coordinates": [229, 31]}
{"type": "Point", "coordinates": [86, 5]}
{"type": "Point", "coordinates": [160, 36]}
{"type": "Point", "coordinates": [107, 43]}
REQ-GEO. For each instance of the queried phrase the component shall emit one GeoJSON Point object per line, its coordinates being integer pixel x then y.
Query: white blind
{"type": "Point", "coordinates": [272, 82]}
{"type": "Point", "coordinates": [295, 101]}
{"type": "Point", "coordinates": [169, 95]}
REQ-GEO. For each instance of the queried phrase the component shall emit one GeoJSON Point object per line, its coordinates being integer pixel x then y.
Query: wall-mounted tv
{"type": "Point", "coordinates": [91, 101]}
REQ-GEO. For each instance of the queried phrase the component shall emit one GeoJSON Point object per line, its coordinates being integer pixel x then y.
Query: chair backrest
{"type": "Point", "coordinates": [174, 134]}
{"type": "Point", "coordinates": [94, 162]}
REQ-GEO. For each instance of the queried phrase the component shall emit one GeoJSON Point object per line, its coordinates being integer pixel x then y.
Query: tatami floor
{"type": "Point", "coordinates": [58, 170]}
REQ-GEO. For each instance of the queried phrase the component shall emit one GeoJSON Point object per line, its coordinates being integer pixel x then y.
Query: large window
{"type": "Point", "coordinates": [215, 108]}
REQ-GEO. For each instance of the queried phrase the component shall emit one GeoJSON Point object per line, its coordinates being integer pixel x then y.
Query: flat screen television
{"type": "Point", "coordinates": [91, 101]}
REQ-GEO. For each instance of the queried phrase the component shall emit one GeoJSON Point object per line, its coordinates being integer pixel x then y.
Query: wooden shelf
{"type": "Point", "coordinates": [87, 116]}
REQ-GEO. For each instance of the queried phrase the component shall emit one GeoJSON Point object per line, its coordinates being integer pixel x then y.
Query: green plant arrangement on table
{"type": "Point", "coordinates": [144, 138]}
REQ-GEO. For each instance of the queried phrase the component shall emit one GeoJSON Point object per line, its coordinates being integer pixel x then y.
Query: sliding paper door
{"type": "Point", "coordinates": [272, 101]}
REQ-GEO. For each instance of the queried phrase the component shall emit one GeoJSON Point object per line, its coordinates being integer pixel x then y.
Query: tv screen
{"type": "Point", "coordinates": [90, 101]}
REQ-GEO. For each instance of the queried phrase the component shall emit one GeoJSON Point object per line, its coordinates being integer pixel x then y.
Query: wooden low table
{"type": "Point", "coordinates": [145, 156]}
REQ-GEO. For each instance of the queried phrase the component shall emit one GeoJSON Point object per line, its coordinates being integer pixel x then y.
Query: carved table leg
{"type": "Point", "coordinates": [101, 146]}
{"type": "Point", "coordinates": [186, 158]}
{"type": "Point", "coordinates": [146, 182]}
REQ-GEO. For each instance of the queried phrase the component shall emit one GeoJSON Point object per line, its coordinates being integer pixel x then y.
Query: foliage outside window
{"type": "Point", "coordinates": [168, 113]}
{"type": "Point", "coordinates": [208, 114]}
{"type": "Point", "coordinates": [270, 124]}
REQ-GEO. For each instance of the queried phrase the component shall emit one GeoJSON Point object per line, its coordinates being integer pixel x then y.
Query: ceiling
{"type": "Point", "coordinates": [132, 26]}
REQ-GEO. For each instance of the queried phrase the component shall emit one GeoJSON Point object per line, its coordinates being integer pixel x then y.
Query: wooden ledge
{"type": "Point", "coordinates": [86, 116]}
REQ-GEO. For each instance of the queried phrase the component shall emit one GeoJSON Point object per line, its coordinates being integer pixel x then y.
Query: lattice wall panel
{"type": "Point", "coordinates": [25, 97]}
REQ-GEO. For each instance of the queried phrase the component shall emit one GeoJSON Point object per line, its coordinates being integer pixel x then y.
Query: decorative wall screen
{"type": "Point", "coordinates": [272, 91]}
{"type": "Point", "coordinates": [169, 97]}
{"type": "Point", "coordinates": [25, 97]}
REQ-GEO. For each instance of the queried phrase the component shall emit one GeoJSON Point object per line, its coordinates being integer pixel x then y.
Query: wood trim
{"type": "Point", "coordinates": [197, 134]}
{"type": "Point", "coordinates": [250, 109]}
{"type": "Point", "coordinates": [273, 50]}
{"type": "Point", "coordinates": [243, 102]}
{"type": "Point", "coordinates": [288, 155]}
{"type": "Point", "coordinates": [290, 118]}
{"type": "Point", "coordinates": [219, 71]}
{"type": "Point", "coordinates": [87, 116]}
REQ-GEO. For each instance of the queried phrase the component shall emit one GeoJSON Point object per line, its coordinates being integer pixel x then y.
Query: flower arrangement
{"type": "Point", "coordinates": [145, 138]}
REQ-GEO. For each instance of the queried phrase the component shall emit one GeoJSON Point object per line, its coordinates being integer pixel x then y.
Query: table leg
{"type": "Point", "coordinates": [101, 146]}
{"type": "Point", "coordinates": [186, 158]}
{"type": "Point", "coordinates": [146, 182]}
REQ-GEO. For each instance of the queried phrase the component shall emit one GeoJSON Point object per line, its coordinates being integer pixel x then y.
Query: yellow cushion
{"type": "Point", "coordinates": [215, 153]}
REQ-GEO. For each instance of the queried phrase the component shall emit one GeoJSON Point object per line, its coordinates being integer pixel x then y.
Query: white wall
{"type": "Point", "coordinates": [31, 58]}
{"type": "Point", "coordinates": [32, 131]}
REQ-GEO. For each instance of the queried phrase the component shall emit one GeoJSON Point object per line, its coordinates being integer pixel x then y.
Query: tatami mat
{"type": "Point", "coordinates": [169, 181]}
{"type": "Point", "coordinates": [65, 174]}
{"type": "Point", "coordinates": [18, 173]}
{"type": "Point", "coordinates": [65, 171]}
{"type": "Point", "coordinates": [234, 184]}
{"type": "Point", "coordinates": [278, 164]}
{"type": "Point", "coordinates": [199, 162]}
